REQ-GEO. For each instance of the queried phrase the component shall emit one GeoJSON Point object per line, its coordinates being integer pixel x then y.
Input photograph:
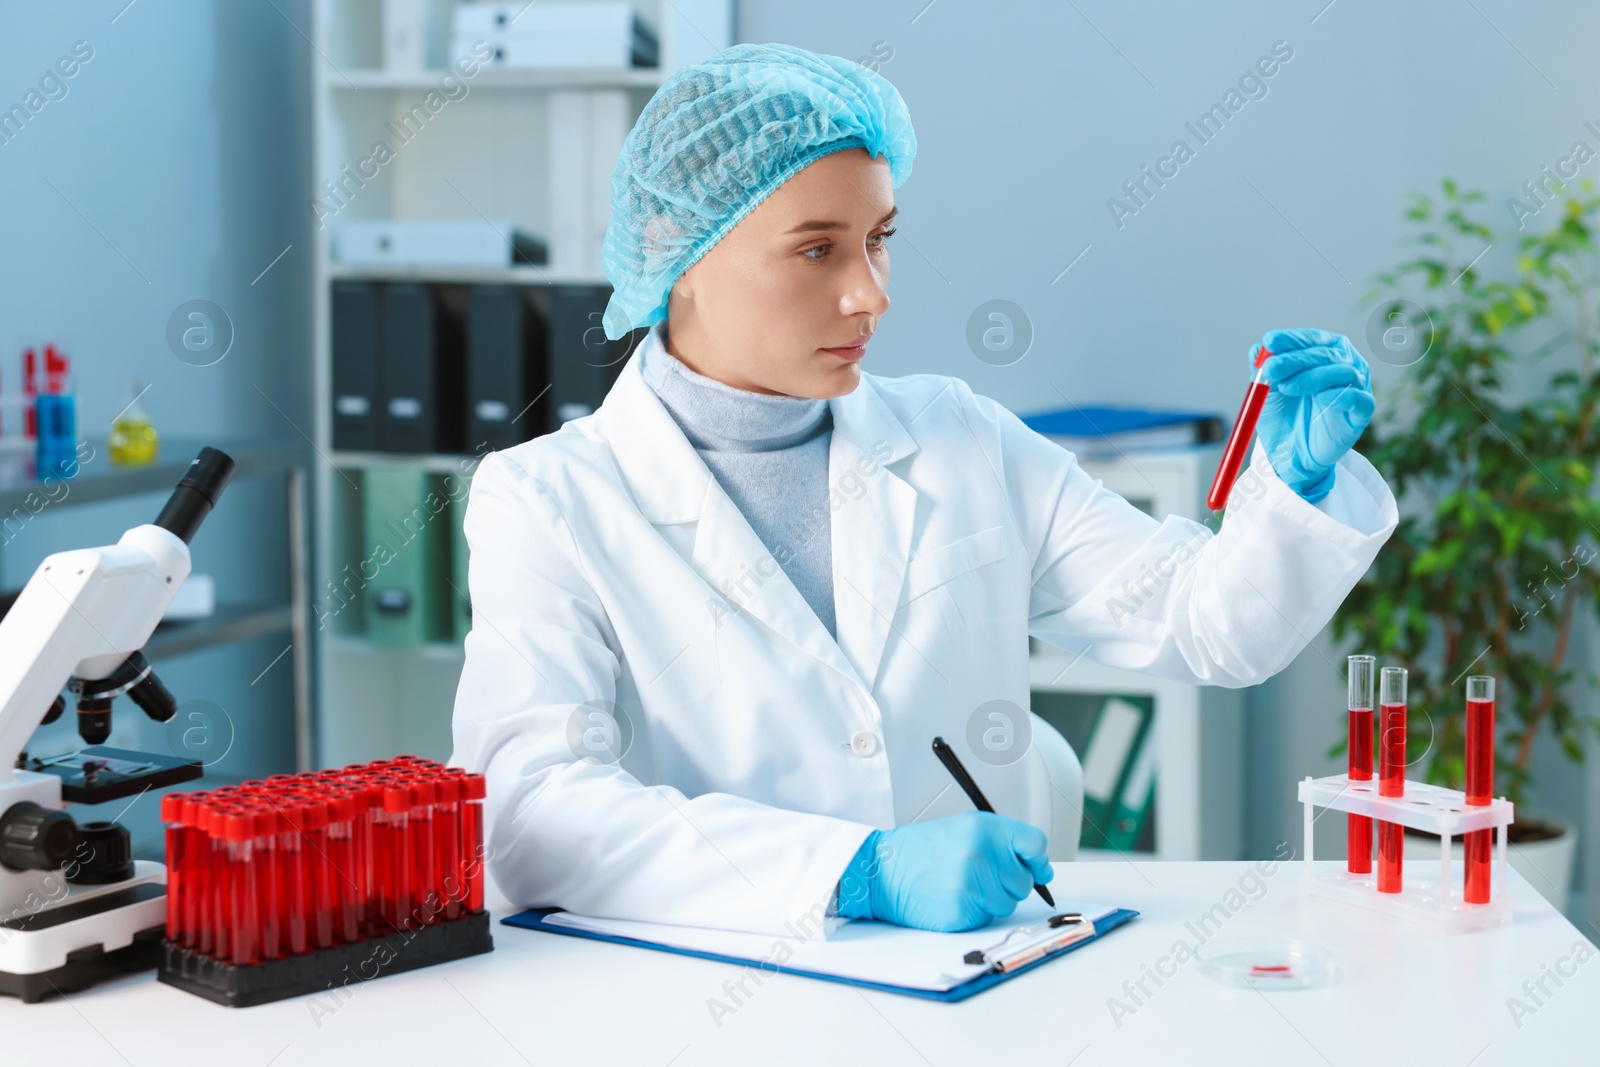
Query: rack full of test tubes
{"type": "Point", "coordinates": [1393, 802]}
{"type": "Point", "coordinates": [303, 883]}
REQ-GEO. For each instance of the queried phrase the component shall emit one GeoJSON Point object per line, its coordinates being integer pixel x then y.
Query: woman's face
{"type": "Point", "coordinates": [774, 305]}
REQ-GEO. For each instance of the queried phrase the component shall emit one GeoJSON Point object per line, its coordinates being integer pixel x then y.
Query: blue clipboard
{"type": "Point", "coordinates": [533, 919]}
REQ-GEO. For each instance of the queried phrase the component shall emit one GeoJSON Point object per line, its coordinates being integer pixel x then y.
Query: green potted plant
{"type": "Point", "coordinates": [1490, 443]}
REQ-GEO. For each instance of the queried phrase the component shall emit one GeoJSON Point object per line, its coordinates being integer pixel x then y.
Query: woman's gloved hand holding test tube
{"type": "Point", "coordinates": [1320, 400]}
{"type": "Point", "coordinates": [960, 872]}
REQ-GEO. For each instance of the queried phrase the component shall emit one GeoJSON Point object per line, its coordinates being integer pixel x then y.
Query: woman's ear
{"type": "Point", "coordinates": [683, 288]}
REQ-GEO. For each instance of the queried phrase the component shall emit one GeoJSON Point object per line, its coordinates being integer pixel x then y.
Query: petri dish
{"type": "Point", "coordinates": [1266, 963]}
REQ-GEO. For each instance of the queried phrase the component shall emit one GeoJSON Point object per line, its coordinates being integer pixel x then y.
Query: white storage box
{"type": "Point", "coordinates": [435, 243]}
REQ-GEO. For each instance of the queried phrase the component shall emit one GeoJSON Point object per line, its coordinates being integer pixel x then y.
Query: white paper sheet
{"type": "Point", "coordinates": [862, 951]}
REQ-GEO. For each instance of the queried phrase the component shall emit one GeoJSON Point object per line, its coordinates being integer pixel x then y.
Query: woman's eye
{"type": "Point", "coordinates": [876, 241]}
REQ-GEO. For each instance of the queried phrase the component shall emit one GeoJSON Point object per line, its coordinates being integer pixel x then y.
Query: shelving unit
{"type": "Point", "coordinates": [1198, 730]}
{"type": "Point", "coordinates": [486, 154]}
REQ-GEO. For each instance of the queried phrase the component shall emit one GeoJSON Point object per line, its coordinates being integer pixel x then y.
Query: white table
{"type": "Point", "coordinates": [1402, 996]}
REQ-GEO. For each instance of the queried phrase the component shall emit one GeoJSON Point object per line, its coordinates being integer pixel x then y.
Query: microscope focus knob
{"type": "Point", "coordinates": [34, 838]}
{"type": "Point", "coordinates": [109, 855]}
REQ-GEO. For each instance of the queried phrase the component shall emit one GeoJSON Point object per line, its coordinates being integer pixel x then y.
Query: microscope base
{"type": "Point", "coordinates": [109, 932]}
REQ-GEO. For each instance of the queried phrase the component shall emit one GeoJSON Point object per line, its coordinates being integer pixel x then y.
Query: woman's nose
{"type": "Point", "coordinates": [866, 288]}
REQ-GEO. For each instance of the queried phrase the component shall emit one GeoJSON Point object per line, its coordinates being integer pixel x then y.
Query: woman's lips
{"type": "Point", "coordinates": [851, 352]}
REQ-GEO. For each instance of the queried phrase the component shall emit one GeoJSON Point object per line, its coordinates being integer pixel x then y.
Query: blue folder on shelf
{"type": "Point", "coordinates": [869, 955]}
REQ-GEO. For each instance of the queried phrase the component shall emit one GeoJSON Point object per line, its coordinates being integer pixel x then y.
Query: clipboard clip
{"type": "Point", "coordinates": [1058, 932]}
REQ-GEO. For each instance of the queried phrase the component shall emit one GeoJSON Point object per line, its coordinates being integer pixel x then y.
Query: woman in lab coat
{"type": "Point", "coordinates": [685, 721]}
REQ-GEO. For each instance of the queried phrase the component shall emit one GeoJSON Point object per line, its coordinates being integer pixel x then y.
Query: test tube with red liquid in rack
{"type": "Point", "coordinates": [294, 864]}
{"type": "Point", "coordinates": [1360, 682]}
{"type": "Point", "coordinates": [1391, 774]}
{"type": "Point", "coordinates": [1479, 784]}
{"type": "Point", "coordinates": [1244, 430]}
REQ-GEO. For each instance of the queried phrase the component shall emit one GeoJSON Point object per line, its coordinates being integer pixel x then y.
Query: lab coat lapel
{"type": "Point", "coordinates": [873, 514]}
{"type": "Point", "coordinates": [672, 484]}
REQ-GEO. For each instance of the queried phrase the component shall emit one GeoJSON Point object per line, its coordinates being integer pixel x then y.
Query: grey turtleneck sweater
{"type": "Point", "coordinates": [770, 454]}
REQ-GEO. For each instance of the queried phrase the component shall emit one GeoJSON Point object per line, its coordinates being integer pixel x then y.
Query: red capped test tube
{"type": "Point", "coordinates": [269, 884]}
{"type": "Point", "coordinates": [447, 838]}
{"type": "Point", "coordinates": [1391, 774]}
{"type": "Point", "coordinates": [1361, 681]}
{"type": "Point", "coordinates": [423, 850]}
{"type": "Point", "coordinates": [474, 787]}
{"type": "Point", "coordinates": [292, 879]}
{"type": "Point", "coordinates": [390, 863]}
{"type": "Point", "coordinates": [196, 874]}
{"type": "Point", "coordinates": [177, 862]}
{"type": "Point", "coordinates": [318, 871]}
{"type": "Point", "coordinates": [342, 806]}
{"type": "Point", "coordinates": [1480, 783]}
{"type": "Point", "coordinates": [1244, 429]}
{"type": "Point", "coordinates": [293, 863]}
{"type": "Point", "coordinates": [238, 827]}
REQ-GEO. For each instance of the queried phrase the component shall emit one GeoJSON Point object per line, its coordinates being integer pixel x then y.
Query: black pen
{"type": "Point", "coordinates": [947, 756]}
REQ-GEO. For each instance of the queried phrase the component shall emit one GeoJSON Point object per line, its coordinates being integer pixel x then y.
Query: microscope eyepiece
{"type": "Point", "coordinates": [196, 494]}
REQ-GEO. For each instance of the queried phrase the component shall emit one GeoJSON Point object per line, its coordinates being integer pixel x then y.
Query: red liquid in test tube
{"type": "Point", "coordinates": [1391, 774]}
{"type": "Point", "coordinates": [474, 789]}
{"type": "Point", "coordinates": [390, 861]}
{"type": "Point", "coordinates": [177, 864]}
{"type": "Point", "coordinates": [239, 831]}
{"type": "Point", "coordinates": [424, 852]}
{"type": "Point", "coordinates": [341, 856]}
{"type": "Point", "coordinates": [195, 880]}
{"type": "Point", "coordinates": [1479, 783]}
{"type": "Point", "coordinates": [269, 885]}
{"type": "Point", "coordinates": [1361, 676]}
{"type": "Point", "coordinates": [319, 872]}
{"type": "Point", "coordinates": [291, 873]}
{"type": "Point", "coordinates": [1244, 429]}
{"type": "Point", "coordinates": [447, 836]}
{"type": "Point", "coordinates": [291, 864]}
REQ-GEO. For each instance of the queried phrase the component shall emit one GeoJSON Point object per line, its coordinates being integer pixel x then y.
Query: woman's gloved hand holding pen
{"type": "Point", "coordinates": [950, 874]}
{"type": "Point", "coordinates": [1319, 401]}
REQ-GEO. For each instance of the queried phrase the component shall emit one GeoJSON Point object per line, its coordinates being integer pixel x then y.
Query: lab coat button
{"type": "Point", "coordinates": [863, 743]}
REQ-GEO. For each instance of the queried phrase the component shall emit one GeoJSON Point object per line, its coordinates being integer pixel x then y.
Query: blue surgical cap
{"type": "Point", "coordinates": [717, 139]}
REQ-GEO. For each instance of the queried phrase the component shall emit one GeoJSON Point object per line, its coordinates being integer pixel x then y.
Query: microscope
{"type": "Point", "coordinates": [75, 906]}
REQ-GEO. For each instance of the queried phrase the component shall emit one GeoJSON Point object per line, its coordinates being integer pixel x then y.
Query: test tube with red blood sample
{"type": "Point", "coordinates": [447, 839]}
{"type": "Point", "coordinates": [269, 886]}
{"type": "Point", "coordinates": [474, 789]}
{"type": "Point", "coordinates": [1244, 429]}
{"type": "Point", "coordinates": [1391, 774]}
{"type": "Point", "coordinates": [177, 862]}
{"type": "Point", "coordinates": [390, 861]}
{"type": "Point", "coordinates": [1360, 682]}
{"type": "Point", "coordinates": [306, 863]}
{"type": "Point", "coordinates": [1479, 783]}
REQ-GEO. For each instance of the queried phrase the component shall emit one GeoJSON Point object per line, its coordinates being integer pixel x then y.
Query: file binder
{"type": "Point", "coordinates": [583, 363]}
{"type": "Point", "coordinates": [506, 380]}
{"type": "Point", "coordinates": [423, 382]}
{"type": "Point", "coordinates": [356, 366]}
{"type": "Point", "coordinates": [1120, 730]}
{"type": "Point", "coordinates": [406, 522]}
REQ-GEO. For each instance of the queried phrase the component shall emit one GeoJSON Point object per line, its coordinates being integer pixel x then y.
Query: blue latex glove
{"type": "Point", "coordinates": [1320, 401]}
{"type": "Point", "coordinates": [955, 873]}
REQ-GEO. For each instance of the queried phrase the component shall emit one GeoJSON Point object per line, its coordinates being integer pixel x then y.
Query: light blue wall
{"type": "Point", "coordinates": [169, 171]}
{"type": "Point", "coordinates": [1029, 116]}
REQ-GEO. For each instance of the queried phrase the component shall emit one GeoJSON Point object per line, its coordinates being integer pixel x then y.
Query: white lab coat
{"type": "Point", "coordinates": [611, 575]}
